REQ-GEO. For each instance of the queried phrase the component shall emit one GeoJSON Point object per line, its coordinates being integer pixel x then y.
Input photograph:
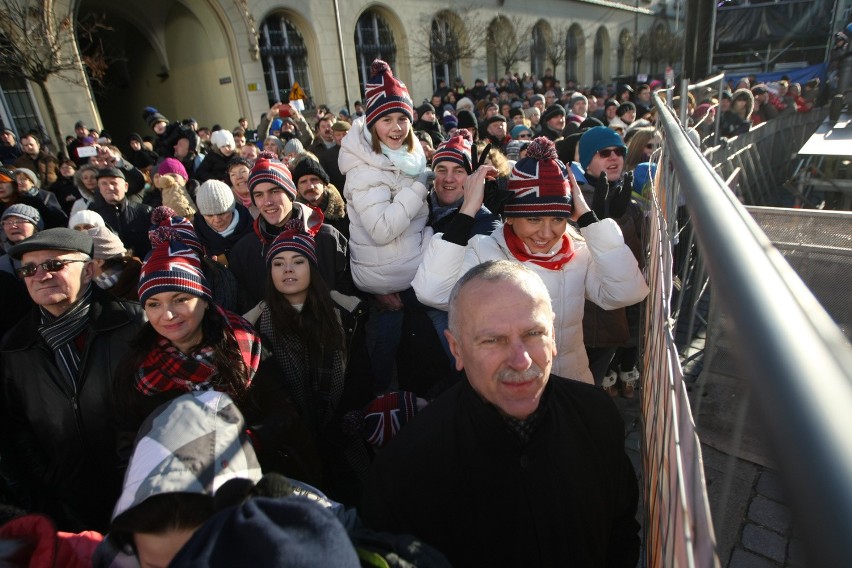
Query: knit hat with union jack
{"type": "Point", "coordinates": [539, 183]}
{"type": "Point", "coordinates": [267, 168]}
{"type": "Point", "coordinates": [293, 238]}
{"type": "Point", "coordinates": [385, 94]}
{"type": "Point", "coordinates": [456, 150]}
{"type": "Point", "coordinates": [172, 266]}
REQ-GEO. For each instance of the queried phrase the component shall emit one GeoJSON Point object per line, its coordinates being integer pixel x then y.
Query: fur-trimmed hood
{"type": "Point", "coordinates": [749, 98]}
{"type": "Point", "coordinates": [335, 207]}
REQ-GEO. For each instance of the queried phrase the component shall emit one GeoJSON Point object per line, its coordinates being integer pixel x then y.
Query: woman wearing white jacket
{"type": "Point", "coordinates": [386, 185]}
{"type": "Point", "coordinates": [598, 266]}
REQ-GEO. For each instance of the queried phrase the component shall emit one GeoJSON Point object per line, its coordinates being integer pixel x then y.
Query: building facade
{"type": "Point", "coordinates": [218, 60]}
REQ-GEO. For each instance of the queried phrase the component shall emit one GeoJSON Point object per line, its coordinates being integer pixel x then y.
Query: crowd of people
{"type": "Point", "coordinates": [390, 332]}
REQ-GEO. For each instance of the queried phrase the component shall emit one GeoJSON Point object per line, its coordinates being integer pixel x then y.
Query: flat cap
{"type": "Point", "coordinates": [111, 173]}
{"type": "Point", "coordinates": [59, 238]}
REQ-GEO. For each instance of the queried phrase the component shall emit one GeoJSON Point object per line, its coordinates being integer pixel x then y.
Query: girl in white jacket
{"type": "Point", "coordinates": [386, 185]}
{"type": "Point", "coordinates": [536, 232]}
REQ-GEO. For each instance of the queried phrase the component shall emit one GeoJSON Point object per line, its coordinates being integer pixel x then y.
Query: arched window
{"type": "Point", "coordinates": [574, 54]}
{"type": "Point", "coordinates": [444, 48]}
{"type": "Point", "coordinates": [600, 69]}
{"type": "Point", "coordinates": [625, 54]}
{"type": "Point", "coordinates": [538, 48]}
{"type": "Point", "coordinates": [373, 38]}
{"type": "Point", "coordinates": [284, 58]}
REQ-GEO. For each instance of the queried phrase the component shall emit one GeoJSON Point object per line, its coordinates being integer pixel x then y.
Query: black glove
{"type": "Point", "coordinates": [495, 196]}
{"type": "Point", "coordinates": [620, 201]}
{"type": "Point", "coordinates": [599, 197]}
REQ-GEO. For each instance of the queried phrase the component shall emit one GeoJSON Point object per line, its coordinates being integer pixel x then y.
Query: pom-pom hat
{"type": "Point", "coordinates": [172, 265]}
{"type": "Point", "coordinates": [539, 183]}
{"type": "Point", "coordinates": [269, 169]}
{"type": "Point", "coordinates": [457, 150]}
{"type": "Point", "coordinates": [386, 94]}
{"type": "Point", "coordinates": [293, 238]}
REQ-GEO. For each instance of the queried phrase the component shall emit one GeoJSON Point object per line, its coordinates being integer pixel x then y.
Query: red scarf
{"type": "Point", "coordinates": [553, 262]}
{"type": "Point", "coordinates": [165, 368]}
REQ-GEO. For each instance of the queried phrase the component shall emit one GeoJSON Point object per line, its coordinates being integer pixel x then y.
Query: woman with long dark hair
{"type": "Point", "coordinates": [189, 343]}
{"type": "Point", "coordinates": [303, 328]}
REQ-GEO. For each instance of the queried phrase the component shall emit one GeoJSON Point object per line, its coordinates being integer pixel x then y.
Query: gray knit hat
{"type": "Point", "coordinates": [30, 174]}
{"type": "Point", "coordinates": [293, 146]}
{"type": "Point", "coordinates": [214, 197]}
{"type": "Point", "coordinates": [107, 244]}
{"type": "Point", "coordinates": [25, 212]}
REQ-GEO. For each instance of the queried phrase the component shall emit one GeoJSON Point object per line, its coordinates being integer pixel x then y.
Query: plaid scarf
{"type": "Point", "coordinates": [165, 368]}
{"type": "Point", "coordinates": [59, 334]}
{"type": "Point", "coordinates": [315, 389]}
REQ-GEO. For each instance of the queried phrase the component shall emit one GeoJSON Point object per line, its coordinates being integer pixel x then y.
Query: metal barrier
{"type": "Point", "coordinates": [798, 362]}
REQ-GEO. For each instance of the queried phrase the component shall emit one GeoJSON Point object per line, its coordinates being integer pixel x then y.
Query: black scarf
{"type": "Point", "coordinates": [59, 334]}
{"type": "Point", "coordinates": [315, 389]}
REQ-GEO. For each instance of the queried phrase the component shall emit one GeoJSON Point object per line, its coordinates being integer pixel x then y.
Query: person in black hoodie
{"type": "Point", "coordinates": [428, 122]}
{"type": "Point", "coordinates": [140, 156]}
{"type": "Point", "coordinates": [220, 222]}
{"type": "Point", "coordinates": [63, 188]}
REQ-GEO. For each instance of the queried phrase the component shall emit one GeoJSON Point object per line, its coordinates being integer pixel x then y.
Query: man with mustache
{"type": "Point", "coordinates": [514, 466]}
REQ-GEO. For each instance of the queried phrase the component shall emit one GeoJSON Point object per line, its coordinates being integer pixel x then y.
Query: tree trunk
{"type": "Point", "coordinates": [58, 144]}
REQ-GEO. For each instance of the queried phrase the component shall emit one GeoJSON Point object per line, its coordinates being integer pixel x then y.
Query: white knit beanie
{"type": "Point", "coordinates": [222, 138]}
{"type": "Point", "coordinates": [214, 197]}
{"type": "Point", "coordinates": [86, 217]}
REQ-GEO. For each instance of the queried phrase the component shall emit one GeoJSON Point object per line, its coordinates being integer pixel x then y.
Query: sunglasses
{"type": "Point", "coordinates": [650, 146]}
{"type": "Point", "coordinates": [607, 152]}
{"type": "Point", "coordinates": [52, 265]}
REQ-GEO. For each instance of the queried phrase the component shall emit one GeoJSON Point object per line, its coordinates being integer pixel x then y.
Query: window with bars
{"type": "Point", "coordinates": [17, 107]}
{"type": "Point", "coordinates": [572, 53]}
{"type": "Point", "coordinates": [444, 51]}
{"type": "Point", "coordinates": [284, 58]}
{"type": "Point", "coordinates": [373, 39]}
{"type": "Point", "coordinates": [597, 66]}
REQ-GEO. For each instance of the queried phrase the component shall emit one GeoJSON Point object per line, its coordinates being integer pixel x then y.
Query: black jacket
{"type": "Point", "coordinates": [58, 446]}
{"type": "Point", "coordinates": [214, 166]}
{"type": "Point", "coordinates": [214, 243]}
{"type": "Point", "coordinates": [461, 480]}
{"type": "Point", "coordinates": [247, 259]}
{"type": "Point", "coordinates": [130, 221]}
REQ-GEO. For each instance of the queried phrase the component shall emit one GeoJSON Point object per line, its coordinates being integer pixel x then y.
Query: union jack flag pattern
{"type": "Point", "coordinates": [539, 183]}
{"type": "Point", "coordinates": [385, 94]}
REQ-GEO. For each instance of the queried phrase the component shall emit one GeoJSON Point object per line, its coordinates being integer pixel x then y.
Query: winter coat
{"type": "Point", "coordinates": [247, 259]}
{"type": "Point", "coordinates": [45, 166]}
{"type": "Point", "coordinates": [45, 202]}
{"type": "Point", "coordinates": [66, 193]}
{"type": "Point", "coordinates": [461, 480]}
{"type": "Point", "coordinates": [58, 444]}
{"type": "Point", "coordinates": [329, 162]}
{"type": "Point", "coordinates": [387, 216]}
{"type": "Point", "coordinates": [214, 243]}
{"type": "Point", "coordinates": [130, 221]}
{"type": "Point", "coordinates": [602, 266]}
{"type": "Point", "coordinates": [214, 166]}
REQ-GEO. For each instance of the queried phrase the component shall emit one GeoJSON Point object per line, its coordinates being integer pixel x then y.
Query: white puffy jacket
{"type": "Point", "coordinates": [387, 216]}
{"type": "Point", "coordinates": [603, 270]}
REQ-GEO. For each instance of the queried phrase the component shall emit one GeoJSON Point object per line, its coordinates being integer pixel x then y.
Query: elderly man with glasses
{"type": "Point", "coordinates": [57, 452]}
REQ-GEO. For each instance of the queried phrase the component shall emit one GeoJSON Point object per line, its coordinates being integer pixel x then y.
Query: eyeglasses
{"type": "Point", "coordinates": [52, 265]}
{"type": "Point", "coordinates": [14, 222]}
{"type": "Point", "coordinates": [607, 152]}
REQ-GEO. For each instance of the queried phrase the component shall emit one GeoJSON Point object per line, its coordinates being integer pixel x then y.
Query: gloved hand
{"type": "Point", "coordinates": [612, 206]}
{"type": "Point", "coordinates": [599, 197]}
{"type": "Point", "coordinates": [426, 177]}
{"type": "Point", "coordinates": [620, 201]}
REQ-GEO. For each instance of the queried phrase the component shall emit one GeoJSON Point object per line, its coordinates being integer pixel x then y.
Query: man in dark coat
{"type": "Point", "coordinates": [274, 193]}
{"type": "Point", "coordinates": [128, 219]}
{"type": "Point", "coordinates": [314, 189]}
{"type": "Point", "coordinates": [513, 466]}
{"type": "Point", "coordinates": [58, 443]}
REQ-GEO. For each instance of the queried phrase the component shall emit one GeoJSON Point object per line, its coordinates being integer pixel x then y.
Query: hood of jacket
{"type": "Point", "coordinates": [192, 444]}
{"type": "Point", "coordinates": [749, 98]}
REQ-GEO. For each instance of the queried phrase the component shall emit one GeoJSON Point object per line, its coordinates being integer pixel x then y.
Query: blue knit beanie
{"type": "Point", "coordinates": [595, 139]}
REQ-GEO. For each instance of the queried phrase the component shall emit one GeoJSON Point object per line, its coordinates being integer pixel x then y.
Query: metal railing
{"type": "Point", "coordinates": [798, 362]}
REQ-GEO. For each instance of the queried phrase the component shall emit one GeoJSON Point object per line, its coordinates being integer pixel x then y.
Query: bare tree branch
{"type": "Point", "coordinates": [34, 40]}
{"type": "Point", "coordinates": [450, 36]}
{"type": "Point", "coordinates": [557, 47]}
{"type": "Point", "coordinates": [508, 36]}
